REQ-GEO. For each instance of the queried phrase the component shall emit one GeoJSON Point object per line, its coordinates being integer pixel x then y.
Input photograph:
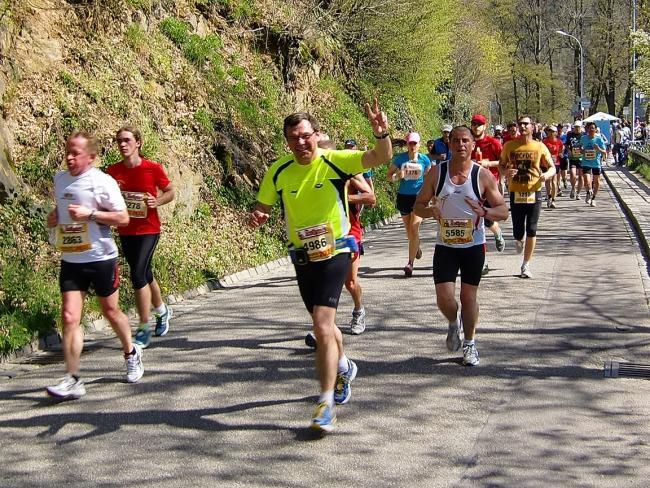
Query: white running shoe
{"type": "Point", "coordinates": [68, 388]}
{"type": "Point", "coordinates": [525, 271]}
{"type": "Point", "coordinates": [470, 355]}
{"type": "Point", "coordinates": [358, 322]}
{"type": "Point", "coordinates": [134, 365]}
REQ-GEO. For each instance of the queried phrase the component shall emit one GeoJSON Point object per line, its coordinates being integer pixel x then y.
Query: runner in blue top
{"type": "Point", "coordinates": [594, 148]}
{"type": "Point", "coordinates": [409, 168]}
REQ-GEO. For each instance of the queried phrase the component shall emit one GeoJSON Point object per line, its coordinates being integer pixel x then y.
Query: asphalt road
{"type": "Point", "coordinates": [227, 395]}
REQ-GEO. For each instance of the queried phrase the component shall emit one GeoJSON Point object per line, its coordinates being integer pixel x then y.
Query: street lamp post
{"type": "Point", "coordinates": [582, 71]}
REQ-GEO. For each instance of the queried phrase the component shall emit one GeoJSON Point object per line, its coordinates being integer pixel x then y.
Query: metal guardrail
{"type": "Point", "coordinates": [640, 151]}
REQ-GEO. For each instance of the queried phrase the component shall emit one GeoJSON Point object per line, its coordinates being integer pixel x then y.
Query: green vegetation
{"type": "Point", "coordinates": [29, 300]}
{"type": "Point", "coordinates": [199, 92]}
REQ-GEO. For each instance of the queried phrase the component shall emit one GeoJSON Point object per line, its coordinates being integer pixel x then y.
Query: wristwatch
{"type": "Point", "coordinates": [383, 135]}
{"type": "Point", "coordinates": [93, 217]}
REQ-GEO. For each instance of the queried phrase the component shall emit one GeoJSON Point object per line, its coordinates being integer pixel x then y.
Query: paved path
{"type": "Point", "coordinates": [227, 395]}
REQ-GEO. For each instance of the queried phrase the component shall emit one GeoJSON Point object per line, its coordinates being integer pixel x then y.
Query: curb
{"type": "Point", "coordinates": [630, 215]}
{"type": "Point", "coordinates": [52, 340]}
{"type": "Point", "coordinates": [102, 324]}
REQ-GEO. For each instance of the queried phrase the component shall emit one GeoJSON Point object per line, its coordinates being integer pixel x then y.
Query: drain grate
{"type": "Point", "coordinates": [616, 369]}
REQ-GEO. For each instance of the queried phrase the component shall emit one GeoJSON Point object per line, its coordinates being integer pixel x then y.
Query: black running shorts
{"type": "Point", "coordinates": [564, 164]}
{"type": "Point", "coordinates": [138, 251]}
{"type": "Point", "coordinates": [405, 203]}
{"type": "Point", "coordinates": [575, 163]}
{"type": "Point", "coordinates": [447, 261]}
{"type": "Point", "coordinates": [525, 216]}
{"type": "Point", "coordinates": [590, 171]}
{"type": "Point", "coordinates": [104, 276]}
{"type": "Point", "coordinates": [321, 282]}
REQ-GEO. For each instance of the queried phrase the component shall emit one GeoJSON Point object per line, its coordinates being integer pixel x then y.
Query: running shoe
{"type": "Point", "coordinates": [485, 270]}
{"type": "Point", "coordinates": [548, 203]}
{"type": "Point", "coordinates": [525, 271]}
{"type": "Point", "coordinates": [358, 322]}
{"type": "Point", "coordinates": [519, 246]}
{"type": "Point", "coordinates": [499, 241]}
{"type": "Point", "coordinates": [134, 365]}
{"type": "Point", "coordinates": [552, 204]}
{"type": "Point", "coordinates": [310, 340]}
{"type": "Point", "coordinates": [592, 203]}
{"type": "Point", "coordinates": [577, 195]}
{"type": "Point", "coordinates": [470, 355]}
{"type": "Point", "coordinates": [572, 195]}
{"type": "Point", "coordinates": [454, 337]}
{"type": "Point", "coordinates": [559, 193]}
{"type": "Point", "coordinates": [408, 269]}
{"type": "Point", "coordinates": [162, 321]}
{"type": "Point", "coordinates": [68, 388]}
{"type": "Point", "coordinates": [588, 197]}
{"type": "Point", "coordinates": [324, 418]}
{"type": "Point", "coordinates": [418, 255]}
{"type": "Point", "coordinates": [342, 390]}
{"type": "Point", "coordinates": [143, 336]}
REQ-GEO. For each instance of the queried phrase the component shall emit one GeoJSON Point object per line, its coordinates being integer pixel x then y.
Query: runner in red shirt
{"type": "Point", "coordinates": [556, 148]}
{"type": "Point", "coordinates": [487, 153]}
{"type": "Point", "coordinates": [511, 133]}
{"type": "Point", "coordinates": [145, 187]}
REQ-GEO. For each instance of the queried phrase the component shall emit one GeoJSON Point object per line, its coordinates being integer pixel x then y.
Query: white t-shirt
{"type": "Point", "coordinates": [95, 190]}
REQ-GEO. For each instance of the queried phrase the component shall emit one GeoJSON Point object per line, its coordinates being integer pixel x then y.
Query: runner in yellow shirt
{"type": "Point", "coordinates": [523, 161]}
{"type": "Point", "coordinates": [311, 184]}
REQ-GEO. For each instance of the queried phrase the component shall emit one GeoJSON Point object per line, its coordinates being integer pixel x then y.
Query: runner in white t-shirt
{"type": "Point", "coordinates": [88, 202]}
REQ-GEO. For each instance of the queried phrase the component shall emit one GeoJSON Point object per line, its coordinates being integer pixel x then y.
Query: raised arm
{"type": "Point", "coordinates": [383, 150]}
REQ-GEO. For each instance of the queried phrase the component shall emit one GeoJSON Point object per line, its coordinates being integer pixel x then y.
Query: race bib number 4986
{"type": "Point", "coordinates": [318, 241]}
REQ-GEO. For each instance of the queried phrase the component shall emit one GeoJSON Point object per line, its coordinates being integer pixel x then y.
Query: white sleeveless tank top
{"type": "Point", "coordinates": [459, 226]}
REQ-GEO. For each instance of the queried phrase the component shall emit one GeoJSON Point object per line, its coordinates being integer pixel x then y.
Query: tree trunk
{"type": "Point", "coordinates": [514, 91]}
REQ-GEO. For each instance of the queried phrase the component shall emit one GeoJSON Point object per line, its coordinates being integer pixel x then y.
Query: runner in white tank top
{"type": "Point", "coordinates": [453, 193]}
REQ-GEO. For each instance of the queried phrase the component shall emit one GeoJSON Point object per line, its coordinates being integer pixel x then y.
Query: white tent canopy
{"type": "Point", "coordinates": [598, 116]}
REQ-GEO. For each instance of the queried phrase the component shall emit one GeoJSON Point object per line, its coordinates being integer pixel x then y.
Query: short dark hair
{"type": "Point", "coordinates": [532, 121]}
{"type": "Point", "coordinates": [295, 118]}
{"type": "Point", "coordinates": [590, 123]}
{"type": "Point", "coordinates": [462, 128]}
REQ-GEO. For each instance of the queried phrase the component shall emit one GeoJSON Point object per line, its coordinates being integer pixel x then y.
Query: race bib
{"type": "Point", "coordinates": [318, 241]}
{"type": "Point", "coordinates": [136, 205]}
{"type": "Point", "coordinates": [554, 158]}
{"type": "Point", "coordinates": [73, 237]}
{"type": "Point", "coordinates": [590, 154]}
{"type": "Point", "coordinates": [412, 171]}
{"type": "Point", "coordinates": [456, 231]}
{"type": "Point", "coordinates": [525, 197]}
{"type": "Point", "coordinates": [576, 152]}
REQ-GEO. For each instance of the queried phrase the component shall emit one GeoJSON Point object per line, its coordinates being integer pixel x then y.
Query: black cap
{"type": "Point", "coordinates": [350, 142]}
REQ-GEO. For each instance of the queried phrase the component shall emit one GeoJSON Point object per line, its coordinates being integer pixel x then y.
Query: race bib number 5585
{"type": "Point", "coordinates": [456, 231]}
